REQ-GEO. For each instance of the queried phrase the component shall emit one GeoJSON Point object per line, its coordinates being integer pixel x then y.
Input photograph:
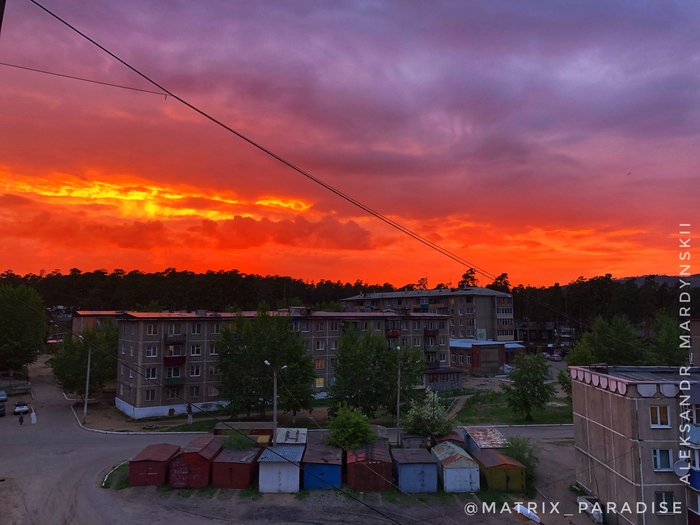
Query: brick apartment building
{"type": "Point", "coordinates": [475, 313]}
{"type": "Point", "coordinates": [178, 351]}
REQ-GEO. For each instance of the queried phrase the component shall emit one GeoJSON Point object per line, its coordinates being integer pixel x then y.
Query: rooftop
{"type": "Point", "coordinates": [282, 454]}
{"type": "Point", "coordinates": [158, 452]}
{"type": "Point", "coordinates": [438, 292]}
{"type": "Point", "coordinates": [486, 437]}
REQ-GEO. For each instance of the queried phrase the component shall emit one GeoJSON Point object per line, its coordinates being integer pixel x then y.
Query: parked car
{"type": "Point", "coordinates": [2, 409]}
{"type": "Point", "coordinates": [3, 396]}
{"type": "Point", "coordinates": [21, 407]}
{"type": "Point", "coordinates": [556, 357]}
{"type": "Point", "coordinates": [546, 355]}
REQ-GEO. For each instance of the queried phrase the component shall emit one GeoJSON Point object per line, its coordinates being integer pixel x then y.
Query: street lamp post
{"type": "Point", "coordinates": [87, 379]}
{"type": "Point", "coordinates": [274, 402]}
{"type": "Point", "coordinates": [398, 396]}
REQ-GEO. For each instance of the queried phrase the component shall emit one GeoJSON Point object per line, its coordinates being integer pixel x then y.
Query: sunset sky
{"type": "Point", "coordinates": [548, 140]}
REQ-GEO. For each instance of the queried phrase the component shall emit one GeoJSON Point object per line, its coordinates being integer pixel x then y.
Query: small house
{"type": "Point", "coordinates": [369, 468]}
{"type": "Point", "coordinates": [500, 472]}
{"type": "Point", "coordinates": [317, 437]}
{"type": "Point", "coordinates": [323, 467]}
{"type": "Point", "coordinates": [415, 469]}
{"type": "Point", "coordinates": [152, 464]}
{"type": "Point", "coordinates": [235, 469]}
{"type": "Point", "coordinates": [191, 468]}
{"type": "Point", "coordinates": [457, 470]}
{"type": "Point", "coordinates": [414, 441]}
{"type": "Point", "coordinates": [483, 438]}
{"type": "Point", "coordinates": [278, 468]}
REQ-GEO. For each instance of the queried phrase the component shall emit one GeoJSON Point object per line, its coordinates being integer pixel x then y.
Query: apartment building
{"type": "Point", "coordinates": [475, 313]}
{"type": "Point", "coordinates": [178, 350]}
{"type": "Point", "coordinates": [637, 442]}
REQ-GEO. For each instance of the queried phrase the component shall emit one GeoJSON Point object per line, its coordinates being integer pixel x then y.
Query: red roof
{"type": "Point", "coordinates": [159, 452]}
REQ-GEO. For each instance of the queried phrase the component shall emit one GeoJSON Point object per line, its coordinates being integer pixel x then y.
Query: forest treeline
{"type": "Point", "coordinates": [578, 302]}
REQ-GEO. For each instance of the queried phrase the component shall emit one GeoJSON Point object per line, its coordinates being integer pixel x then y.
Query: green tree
{"type": "Point", "coordinates": [428, 417]}
{"type": "Point", "coordinates": [247, 382]}
{"type": "Point", "coordinates": [469, 279]}
{"type": "Point", "coordinates": [500, 284]}
{"type": "Point", "coordinates": [22, 326]}
{"type": "Point", "coordinates": [528, 391]}
{"type": "Point", "coordinates": [349, 429]}
{"type": "Point", "coordinates": [366, 373]}
{"type": "Point", "coordinates": [664, 349]}
{"type": "Point", "coordinates": [614, 342]}
{"type": "Point", "coordinates": [70, 363]}
{"type": "Point", "coordinates": [526, 452]}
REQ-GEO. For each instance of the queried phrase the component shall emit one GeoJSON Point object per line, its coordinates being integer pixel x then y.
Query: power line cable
{"type": "Point", "coordinates": [277, 157]}
{"type": "Point", "coordinates": [45, 72]}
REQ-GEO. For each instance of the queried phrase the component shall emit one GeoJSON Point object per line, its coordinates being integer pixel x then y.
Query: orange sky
{"type": "Point", "coordinates": [560, 150]}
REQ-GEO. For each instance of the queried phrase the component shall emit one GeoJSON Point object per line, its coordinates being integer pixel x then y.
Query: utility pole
{"type": "Point", "coordinates": [398, 397]}
{"type": "Point", "coordinates": [274, 402]}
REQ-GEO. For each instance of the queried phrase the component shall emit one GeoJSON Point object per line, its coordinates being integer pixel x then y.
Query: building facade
{"type": "Point", "coordinates": [632, 425]}
{"type": "Point", "coordinates": [178, 352]}
{"type": "Point", "coordinates": [475, 313]}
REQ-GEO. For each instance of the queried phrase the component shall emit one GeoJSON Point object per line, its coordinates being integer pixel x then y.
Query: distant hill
{"type": "Point", "coordinates": [670, 280]}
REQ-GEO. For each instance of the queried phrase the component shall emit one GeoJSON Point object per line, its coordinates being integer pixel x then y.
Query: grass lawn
{"type": "Point", "coordinates": [489, 407]}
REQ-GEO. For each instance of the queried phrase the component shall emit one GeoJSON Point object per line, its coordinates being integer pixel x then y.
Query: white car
{"type": "Point", "coordinates": [21, 407]}
{"type": "Point", "coordinates": [545, 355]}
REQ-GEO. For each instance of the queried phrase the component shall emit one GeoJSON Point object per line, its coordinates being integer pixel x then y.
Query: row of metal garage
{"type": "Point", "coordinates": [295, 463]}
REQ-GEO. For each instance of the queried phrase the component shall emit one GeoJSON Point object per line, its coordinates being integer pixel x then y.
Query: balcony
{"type": "Point", "coordinates": [393, 333]}
{"type": "Point", "coordinates": [173, 381]}
{"type": "Point", "coordinates": [431, 348]}
{"type": "Point", "coordinates": [431, 332]}
{"type": "Point", "coordinates": [174, 360]}
{"type": "Point", "coordinates": [173, 339]}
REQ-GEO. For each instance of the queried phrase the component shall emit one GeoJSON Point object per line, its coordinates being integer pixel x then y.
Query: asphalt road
{"type": "Point", "coordinates": [51, 474]}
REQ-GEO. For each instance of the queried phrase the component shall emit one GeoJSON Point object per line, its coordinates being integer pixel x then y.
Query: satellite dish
{"type": "Point", "coordinates": [681, 468]}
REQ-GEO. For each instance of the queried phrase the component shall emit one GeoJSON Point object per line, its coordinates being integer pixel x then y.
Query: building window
{"type": "Point", "coordinates": [443, 341]}
{"type": "Point", "coordinates": [195, 371]}
{"type": "Point", "coordinates": [123, 349]}
{"type": "Point", "coordinates": [443, 357]}
{"type": "Point", "coordinates": [416, 341]}
{"type": "Point", "coordinates": [320, 344]}
{"type": "Point", "coordinates": [213, 350]}
{"type": "Point", "coordinates": [469, 359]}
{"type": "Point", "coordinates": [664, 502]}
{"type": "Point", "coordinates": [174, 350]}
{"type": "Point", "coordinates": [334, 326]}
{"type": "Point", "coordinates": [121, 369]}
{"type": "Point", "coordinates": [213, 391]}
{"type": "Point", "coordinates": [131, 350]}
{"type": "Point", "coordinates": [441, 325]}
{"type": "Point", "coordinates": [365, 326]}
{"type": "Point", "coordinates": [196, 350]}
{"type": "Point", "coordinates": [454, 357]}
{"type": "Point", "coordinates": [404, 325]}
{"type": "Point", "coordinates": [318, 382]}
{"type": "Point", "coordinates": [151, 329]}
{"type": "Point", "coordinates": [213, 370]}
{"type": "Point", "coordinates": [319, 364]}
{"type": "Point", "coordinates": [196, 329]}
{"type": "Point", "coordinates": [416, 325]}
{"type": "Point", "coordinates": [152, 351]}
{"type": "Point", "coordinates": [131, 373]}
{"type": "Point", "coordinates": [194, 391]}
{"type": "Point", "coordinates": [304, 326]}
{"type": "Point", "coordinates": [461, 359]}
{"type": "Point", "coordinates": [173, 371]}
{"type": "Point", "coordinates": [151, 373]}
{"type": "Point", "coordinates": [334, 361]}
{"type": "Point", "coordinates": [334, 344]}
{"type": "Point", "coordinates": [171, 393]}
{"type": "Point", "coordinates": [174, 329]}
{"type": "Point", "coordinates": [661, 459]}
{"type": "Point", "coordinates": [430, 341]}
{"type": "Point", "coordinates": [377, 326]}
{"type": "Point", "coordinates": [121, 390]}
{"type": "Point", "coordinates": [319, 326]}
{"type": "Point", "coordinates": [460, 311]}
{"type": "Point", "coordinates": [215, 328]}
{"type": "Point", "coordinates": [659, 416]}
{"type": "Point", "coordinates": [150, 394]}
{"type": "Point", "coordinates": [461, 334]}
